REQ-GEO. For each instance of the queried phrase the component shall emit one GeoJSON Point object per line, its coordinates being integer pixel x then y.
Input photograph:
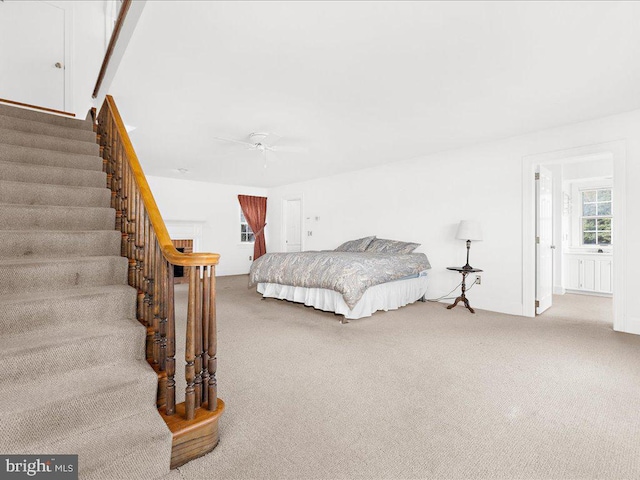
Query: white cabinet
{"type": "Point", "coordinates": [589, 272]}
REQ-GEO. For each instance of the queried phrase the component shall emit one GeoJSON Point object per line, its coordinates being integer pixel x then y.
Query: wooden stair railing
{"type": "Point", "coordinates": [151, 253]}
{"type": "Point", "coordinates": [115, 34]}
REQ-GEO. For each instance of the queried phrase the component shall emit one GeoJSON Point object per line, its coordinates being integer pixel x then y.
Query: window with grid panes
{"type": "Point", "coordinates": [246, 234]}
{"type": "Point", "coordinates": [596, 217]}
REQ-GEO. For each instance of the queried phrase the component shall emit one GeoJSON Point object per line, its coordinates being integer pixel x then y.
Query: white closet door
{"type": "Point", "coordinates": [31, 44]}
{"type": "Point", "coordinates": [293, 225]}
{"type": "Point", "coordinates": [544, 240]}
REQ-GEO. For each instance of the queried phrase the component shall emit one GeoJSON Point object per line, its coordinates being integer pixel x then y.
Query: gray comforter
{"type": "Point", "coordinates": [347, 273]}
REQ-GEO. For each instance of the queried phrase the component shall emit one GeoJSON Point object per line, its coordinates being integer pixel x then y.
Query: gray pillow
{"type": "Point", "coordinates": [359, 245]}
{"type": "Point", "coordinates": [381, 245]}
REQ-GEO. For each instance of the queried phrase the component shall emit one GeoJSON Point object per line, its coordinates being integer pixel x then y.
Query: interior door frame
{"type": "Point", "coordinates": [283, 214]}
{"type": "Point", "coordinates": [617, 149]}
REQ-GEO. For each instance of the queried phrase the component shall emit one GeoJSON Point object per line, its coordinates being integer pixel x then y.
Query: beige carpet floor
{"type": "Point", "coordinates": [422, 392]}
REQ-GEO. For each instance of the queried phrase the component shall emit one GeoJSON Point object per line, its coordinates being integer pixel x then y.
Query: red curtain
{"type": "Point", "coordinates": [255, 211]}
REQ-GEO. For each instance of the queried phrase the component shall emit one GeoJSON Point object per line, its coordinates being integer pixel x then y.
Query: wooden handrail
{"type": "Point", "coordinates": [168, 250]}
{"type": "Point", "coordinates": [112, 44]}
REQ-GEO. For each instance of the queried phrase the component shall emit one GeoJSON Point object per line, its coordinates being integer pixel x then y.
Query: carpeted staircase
{"type": "Point", "coordinates": [73, 374]}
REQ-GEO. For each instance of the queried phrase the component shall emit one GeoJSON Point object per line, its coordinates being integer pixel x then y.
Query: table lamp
{"type": "Point", "coordinates": [469, 230]}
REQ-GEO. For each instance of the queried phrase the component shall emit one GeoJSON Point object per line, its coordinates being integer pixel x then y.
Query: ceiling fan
{"type": "Point", "coordinates": [264, 142]}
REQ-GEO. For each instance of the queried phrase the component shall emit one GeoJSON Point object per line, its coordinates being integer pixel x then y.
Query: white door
{"type": "Point", "coordinates": [31, 44]}
{"type": "Point", "coordinates": [544, 240]}
{"type": "Point", "coordinates": [293, 225]}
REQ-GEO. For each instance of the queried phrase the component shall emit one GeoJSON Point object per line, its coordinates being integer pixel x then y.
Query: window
{"type": "Point", "coordinates": [246, 235]}
{"type": "Point", "coordinates": [596, 217]}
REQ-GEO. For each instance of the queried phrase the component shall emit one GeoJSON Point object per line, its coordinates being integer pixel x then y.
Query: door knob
{"type": "Point", "coordinates": [58, 65]}
{"type": "Point", "coordinates": [553, 247]}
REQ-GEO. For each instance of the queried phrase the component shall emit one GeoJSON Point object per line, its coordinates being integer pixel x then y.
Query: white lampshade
{"type": "Point", "coordinates": [469, 230]}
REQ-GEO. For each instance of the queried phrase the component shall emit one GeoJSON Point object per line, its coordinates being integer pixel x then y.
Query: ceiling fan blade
{"type": "Point", "coordinates": [271, 139]}
{"type": "Point", "coordinates": [246, 144]}
{"type": "Point", "coordinates": [290, 149]}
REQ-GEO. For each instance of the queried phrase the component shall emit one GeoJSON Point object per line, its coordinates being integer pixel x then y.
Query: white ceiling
{"type": "Point", "coordinates": [364, 83]}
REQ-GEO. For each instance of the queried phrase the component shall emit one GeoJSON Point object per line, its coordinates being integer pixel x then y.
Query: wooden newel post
{"type": "Point", "coordinates": [212, 343]}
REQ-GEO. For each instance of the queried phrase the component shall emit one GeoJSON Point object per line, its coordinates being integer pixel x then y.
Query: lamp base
{"type": "Point", "coordinates": [467, 266]}
{"type": "Point", "coordinates": [464, 300]}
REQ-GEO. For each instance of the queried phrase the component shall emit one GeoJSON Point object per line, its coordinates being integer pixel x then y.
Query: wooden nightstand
{"type": "Point", "coordinates": [462, 297]}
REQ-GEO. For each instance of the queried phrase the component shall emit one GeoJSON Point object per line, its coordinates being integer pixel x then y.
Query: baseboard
{"type": "Point", "coordinates": [559, 290]}
{"type": "Point", "coordinates": [591, 294]}
{"type": "Point", "coordinates": [632, 325]}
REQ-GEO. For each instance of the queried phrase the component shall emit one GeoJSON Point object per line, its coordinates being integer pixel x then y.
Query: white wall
{"type": "Point", "coordinates": [87, 51]}
{"type": "Point", "coordinates": [126, 33]}
{"type": "Point", "coordinates": [602, 167]}
{"type": "Point", "coordinates": [217, 207]}
{"type": "Point", "coordinates": [423, 200]}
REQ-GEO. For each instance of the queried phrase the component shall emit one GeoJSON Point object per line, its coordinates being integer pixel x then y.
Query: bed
{"type": "Point", "coordinates": [357, 279]}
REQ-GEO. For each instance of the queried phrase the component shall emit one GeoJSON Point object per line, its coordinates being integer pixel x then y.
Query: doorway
{"type": "Point", "coordinates": [586, 170]}
{"type": "Point", "coordinates": [292, 214]}
{"type": "Point", "coordinates": [574, 218]}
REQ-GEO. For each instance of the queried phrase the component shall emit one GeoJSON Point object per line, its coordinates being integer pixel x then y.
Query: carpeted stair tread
{"type": "Point", "coordinates": [27, 193]}
{"type": "Point", "coordinates": [146, 459]}
{"type": "Point", "coordinates": [66, 348]}
{"type": "Point", "coordinates": [46, 175]}
{"type": "Point", "coordinates": [136, 447]}
{"type": "Point", "coordinates": [52, 158]}
{"type": "Point", "coordinates": [52, 217]}
{"type": "Point", "coordinates": [75, 378]}
{"type": "Point", "coordinates": [57, 273]}
{"type": "Point", "coordinates": [43, 128]}
{"type": "Point", "coordinates": [48, 118]}
{"type": "Point", "coordinates": [47, 142]}
{"type": "Point", "coordinates": [19, 312]}
{"type": "Point", "coordinates": [69, 406]}
{"type": "Point", "coordinates": [52, 243]}
{"type": "Point", "coordinates": [66, 385]}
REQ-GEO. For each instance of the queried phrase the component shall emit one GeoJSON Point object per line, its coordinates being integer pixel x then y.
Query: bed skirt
{"type": "Point", "coordinates": [386, 296]}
